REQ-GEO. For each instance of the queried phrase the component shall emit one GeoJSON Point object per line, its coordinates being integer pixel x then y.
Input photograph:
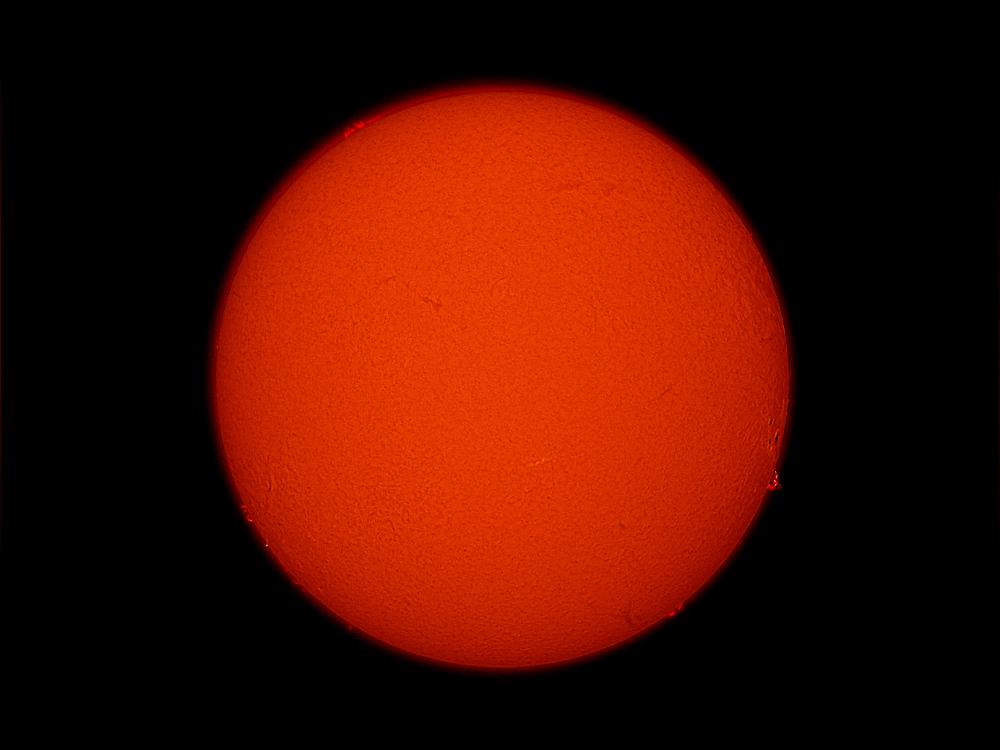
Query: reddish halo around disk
{"type": "Point", "coordinates": [500, 377]}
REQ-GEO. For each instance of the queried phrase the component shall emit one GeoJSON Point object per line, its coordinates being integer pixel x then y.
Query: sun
{"type": "Point", "coordinates": [500, 377]}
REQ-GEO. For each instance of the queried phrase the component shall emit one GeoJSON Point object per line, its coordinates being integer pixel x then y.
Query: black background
{"type": "Point", "coordinates": [872, 184]}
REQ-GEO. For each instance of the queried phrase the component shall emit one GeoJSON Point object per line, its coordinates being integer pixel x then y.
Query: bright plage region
{"type": "Point", "coordinates": [500, 377]}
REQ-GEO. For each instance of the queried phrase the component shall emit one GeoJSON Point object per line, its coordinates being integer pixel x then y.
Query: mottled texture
{"type": "Point", "coordinates": [501, 378]}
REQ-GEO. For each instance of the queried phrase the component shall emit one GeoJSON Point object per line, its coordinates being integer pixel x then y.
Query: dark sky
{"type": "Point", "coordinates": [873, 188]}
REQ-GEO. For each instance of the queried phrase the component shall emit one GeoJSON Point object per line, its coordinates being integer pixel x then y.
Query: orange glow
{"type": "Point", "coordinates": [500, 377]}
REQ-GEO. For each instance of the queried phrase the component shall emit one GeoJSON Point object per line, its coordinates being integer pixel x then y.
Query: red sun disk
{"type": "Point", "coordinates": [501, 378]}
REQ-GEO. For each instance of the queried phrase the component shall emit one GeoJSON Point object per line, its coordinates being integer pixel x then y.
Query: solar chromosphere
{"type": "Point", "coordinates": [500, 377]}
